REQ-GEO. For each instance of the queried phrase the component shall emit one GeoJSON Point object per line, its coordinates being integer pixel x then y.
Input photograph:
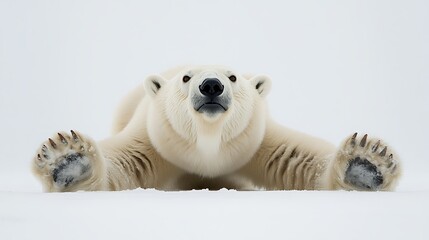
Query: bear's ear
{"type": "Point", "coordinates": [153, 84]}
{"type": "Point", "coordinates": [262, 84]}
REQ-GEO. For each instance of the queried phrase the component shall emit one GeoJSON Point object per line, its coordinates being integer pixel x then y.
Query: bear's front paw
{"type": "Point", "coordinates": [367, 164]}
{"type": "Point", "coordinates": [64, 160]}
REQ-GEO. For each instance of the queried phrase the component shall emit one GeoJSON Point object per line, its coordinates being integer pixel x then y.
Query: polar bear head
{"type": "Point", "coordinates": [207, 120]}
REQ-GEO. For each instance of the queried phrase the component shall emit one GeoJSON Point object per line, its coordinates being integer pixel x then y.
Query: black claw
{"type": "Point", "coordinates": [375, 147]}
{"type": "Point", "coordinates": [390, 161]}
{"type": "Point", "coordinates": [44, 148]}
{"type": "Point", "coordinates": [383, 153]}
{"type": "Point", "coordinates": [46, 156]}
{"type": "Point", "coordinates": [63, 139]}
{"type": "Point", "coordinates": [75, 137]}
{"type": "Point", "coordinates": [53, 144]}
{"type": "Point", "coordinates": [363, 141]}
{"type": "Point", "coordinates": [353, 139]}
{"type": "Point", "coordinates": [39, 158]}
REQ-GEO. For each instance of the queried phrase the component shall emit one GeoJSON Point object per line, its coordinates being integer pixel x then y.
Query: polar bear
{"type": "Point", "coordinates": [200, 127]}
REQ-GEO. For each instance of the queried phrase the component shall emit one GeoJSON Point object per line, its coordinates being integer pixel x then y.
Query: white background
{"type": "Point", "coordinates": [337, 67]}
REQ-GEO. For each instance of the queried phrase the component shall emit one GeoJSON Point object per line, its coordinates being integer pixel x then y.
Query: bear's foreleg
{"type": "Point", "coordinates": [359, 164]}
{"type": "Point", "coordinates": [285, 167]}
{"type": "Point", "coordinates": [73, 162]}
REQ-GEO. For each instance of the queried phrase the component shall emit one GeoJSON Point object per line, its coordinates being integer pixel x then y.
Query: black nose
{"type": "Point", "coordinates": [211, 87]}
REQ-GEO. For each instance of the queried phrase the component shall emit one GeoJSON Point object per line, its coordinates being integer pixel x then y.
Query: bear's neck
{"type": "Point", "coordinates": [209, 138]}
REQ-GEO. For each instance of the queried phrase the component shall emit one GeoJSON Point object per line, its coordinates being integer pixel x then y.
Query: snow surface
{"type": "Point", "coordinates": [26, 213]}
{"type": "Point", "coordinates": [337, 67]}
{"type": "Point", "coordinates": [149, 214]}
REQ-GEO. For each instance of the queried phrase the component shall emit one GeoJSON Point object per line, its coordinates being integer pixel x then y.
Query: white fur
{"type": "Point", "coordinates": [161, 141]}
{"type": "Point", "coordinates": [202, 144]}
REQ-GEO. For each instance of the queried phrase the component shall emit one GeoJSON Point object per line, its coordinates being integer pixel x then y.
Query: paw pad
{"type": "Point", "coordinates": [71, 168]}
{"type": "Point", "coordinates": [363, 174]}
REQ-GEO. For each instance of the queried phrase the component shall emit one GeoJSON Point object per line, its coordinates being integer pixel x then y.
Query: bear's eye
{"type": "Point", "coordinates": [186, 78]}
{"type": "Point", "coordinates": [233, 78]}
